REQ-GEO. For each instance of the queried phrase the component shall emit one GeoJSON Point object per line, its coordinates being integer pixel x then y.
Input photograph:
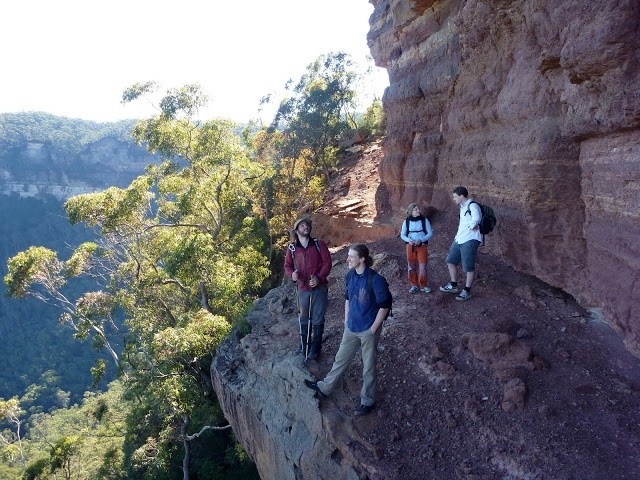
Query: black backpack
{"type": "Point", "coordinates": [488, 221]}
{"type": "Point", "coordinates": [372, 273]}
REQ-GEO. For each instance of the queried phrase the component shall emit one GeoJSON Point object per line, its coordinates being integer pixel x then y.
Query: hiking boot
{"type": "Point", "coordinates": [425, 290]}
{"type": "Point", "coordinates": [448, 288]}
{"type": "Point", "coordinates": [316, 343]}
{"type": "Point", "coordinates": [314, 386]}
{"type": "Point", "coordinates": [464, 295]}
{"type": "Point", "coordinates": [363, 410]}
{"type": "Point", "coordinates": [413, 289]}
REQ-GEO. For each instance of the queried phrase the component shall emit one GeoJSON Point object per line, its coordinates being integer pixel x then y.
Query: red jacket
{"type": "Point", "coordinates": [313, 260]}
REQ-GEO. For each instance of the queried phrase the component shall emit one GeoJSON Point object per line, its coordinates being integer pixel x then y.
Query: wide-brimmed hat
{"type": "Point", "coordinates": [306, 220]}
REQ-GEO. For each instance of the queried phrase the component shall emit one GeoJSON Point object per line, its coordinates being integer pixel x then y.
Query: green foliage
{"type": "Point", "coordinates": [200, 335]}
{"type": "Point", "coordinates": [137, 90]}
{"type": "Point", "coordinates": [38, 470]}
{"type": "Point", "coordinates": [314, 117]}
{"type": "Point", "coordinates": [10, 413]}
{"type": "Point", "coordinates": [61, 454]}
{"type": "Point", "coordinates": [286, 187]}
{"type": "Point", "coordinates": [37, 264]}
{"type": "Point", "coordinates": [36, 344]}
{"type": "Point", "coordinates": [297, 153]}
{"type": "Point", "coordinates": [81, 441]}
{"type": "Point", "coordinates": [180, 254]}
{"type": "Point", "coordinates": [65, 137]}
{"type": "Point", "coordinates": [178, 257]}
{"type": "Point", "coordinates": [373, 122]}
{"type": "Point", "coordinates": [66, 149]}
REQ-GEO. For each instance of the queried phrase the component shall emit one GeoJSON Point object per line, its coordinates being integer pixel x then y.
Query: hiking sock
{"type": "Point", "coordinates": [454, 284]}
{"type": "Point", "coordinates": [467, 289]}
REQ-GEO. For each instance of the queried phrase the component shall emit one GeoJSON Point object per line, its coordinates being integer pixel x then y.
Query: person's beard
{"type": "Point", "coordinates": [304, 234]}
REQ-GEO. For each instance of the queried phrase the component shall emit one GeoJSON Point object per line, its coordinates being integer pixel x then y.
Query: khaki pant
{"type": "Point", "coordinates": [351, 341]}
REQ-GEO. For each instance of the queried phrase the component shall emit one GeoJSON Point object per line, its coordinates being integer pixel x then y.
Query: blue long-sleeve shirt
{"type": "Point", "coordinates": [363, 308]}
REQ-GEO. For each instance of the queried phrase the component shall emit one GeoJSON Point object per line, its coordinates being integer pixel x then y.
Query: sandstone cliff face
{"type": "Point", "coordinates": [534, 106]}
{"type": "Point", "coordinates": [35, 169]}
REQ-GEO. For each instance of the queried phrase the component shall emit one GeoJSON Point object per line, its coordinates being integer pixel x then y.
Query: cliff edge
{"type": "Point", "coordinates": [519, 382]}
{"type": "Point", "coordinates": [533, 105]}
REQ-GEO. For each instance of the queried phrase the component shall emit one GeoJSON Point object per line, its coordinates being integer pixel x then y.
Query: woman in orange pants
{"type": "Point", "coordinates": [416, 232]}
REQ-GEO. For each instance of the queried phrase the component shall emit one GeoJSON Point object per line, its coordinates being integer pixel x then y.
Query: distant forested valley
{"type": "Point", "coordinates": [38, 355]}
{"type": "Point", "coordinates": [40, 358]}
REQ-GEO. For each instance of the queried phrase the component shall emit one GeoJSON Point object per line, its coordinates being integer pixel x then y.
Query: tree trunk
{"type": "Point", "coordinates": [187, 449]}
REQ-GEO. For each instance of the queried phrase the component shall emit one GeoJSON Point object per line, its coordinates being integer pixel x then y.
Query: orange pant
{"type": "Point", "coordinates": [417, 258]}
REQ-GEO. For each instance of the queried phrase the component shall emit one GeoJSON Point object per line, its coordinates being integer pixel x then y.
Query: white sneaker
{"type": "Point", "coordinates": [448, 288]}
{"type": "Point", "coordinates": [425, 290]}
{"type": "Point", "coordinates": [463, 295]}
{"type": "Point", "coordinates": [413, 289]}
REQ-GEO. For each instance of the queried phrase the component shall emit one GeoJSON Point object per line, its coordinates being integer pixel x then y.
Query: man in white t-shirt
{"type": "Point", "coordinates": [464, 248]}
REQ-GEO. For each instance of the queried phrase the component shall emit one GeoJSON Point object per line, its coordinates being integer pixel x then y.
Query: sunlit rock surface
{"type": "Point", "coordinates": [259, 383]}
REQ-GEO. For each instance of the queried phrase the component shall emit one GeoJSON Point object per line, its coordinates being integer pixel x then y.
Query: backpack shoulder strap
{"type": "Point", "coordinates": [370, 276]}
{"type": "Point", "coordinates": [479, 206]}
{"type": "Point", "coordinates": [481, 214]}
{"type": "Point", "coordinates": [292, 249]}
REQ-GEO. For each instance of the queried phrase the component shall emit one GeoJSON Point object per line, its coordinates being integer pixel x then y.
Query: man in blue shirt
{"type": "Point", "coordinates": [367, 304]}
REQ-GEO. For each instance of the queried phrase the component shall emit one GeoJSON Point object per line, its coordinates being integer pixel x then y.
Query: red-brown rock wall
{"type": "Point", "coordinates": [534, 106]}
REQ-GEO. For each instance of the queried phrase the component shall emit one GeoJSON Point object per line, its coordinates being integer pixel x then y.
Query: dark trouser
{"type": "Point", "coordinates": [317, 299]}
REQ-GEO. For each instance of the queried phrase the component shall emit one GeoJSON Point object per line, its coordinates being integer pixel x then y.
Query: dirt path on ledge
{"type": "Point", "coordinates": [519, 382]}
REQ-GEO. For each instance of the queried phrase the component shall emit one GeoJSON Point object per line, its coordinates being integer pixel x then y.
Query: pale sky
{"type": "Point", "coordinates": [74, 58]}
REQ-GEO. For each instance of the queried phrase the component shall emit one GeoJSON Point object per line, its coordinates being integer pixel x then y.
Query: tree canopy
{"type": "Point", "coordinates": [179, 256]}
{"type": "Point", "coordinates": [177, 259]}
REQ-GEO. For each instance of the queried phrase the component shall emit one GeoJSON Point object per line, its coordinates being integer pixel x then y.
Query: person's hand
{"type": "Point", "coordinates": [294, 276]}
{"type": "Point", "coordinates": [313, 281]}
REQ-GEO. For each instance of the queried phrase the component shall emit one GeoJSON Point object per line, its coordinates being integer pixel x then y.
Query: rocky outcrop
{"type": "Point", "coordinates": [534, 106]}
{"type": "Point", "coordinates": [259, 382]}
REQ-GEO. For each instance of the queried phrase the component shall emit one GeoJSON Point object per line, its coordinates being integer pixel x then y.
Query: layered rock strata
{"type": "Point", "coordinates": [534, 106]}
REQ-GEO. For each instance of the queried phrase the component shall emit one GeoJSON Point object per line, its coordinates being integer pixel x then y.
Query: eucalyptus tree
{"type": "Point", "coordinates": [318, 111]}
{"type": "Point", "coordinates": [11, 439]}
{"type": "Point", "coordinates": [285, 188]}
{"type": "Point", "coordinates": [178, 258]}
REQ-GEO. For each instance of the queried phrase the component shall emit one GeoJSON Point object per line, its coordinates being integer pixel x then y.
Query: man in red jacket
{"type": "Point", "coordinates": [308, 263]}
